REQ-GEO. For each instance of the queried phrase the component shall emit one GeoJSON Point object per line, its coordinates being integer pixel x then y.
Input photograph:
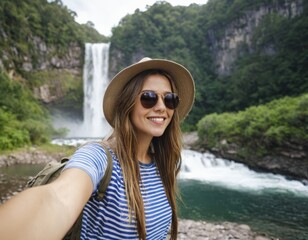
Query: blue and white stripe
{"type": "Point", "coordinates": [108, 219]}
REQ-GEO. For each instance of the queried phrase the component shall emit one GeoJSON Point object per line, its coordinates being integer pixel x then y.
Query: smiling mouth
{"type": "Point", "coordinates": [157, 119]}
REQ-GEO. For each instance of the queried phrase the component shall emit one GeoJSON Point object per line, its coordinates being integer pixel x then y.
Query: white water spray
{"type": "Point", "coordinates": [207, 168]}
{"type": "Point", "coordinates": [95, 80]}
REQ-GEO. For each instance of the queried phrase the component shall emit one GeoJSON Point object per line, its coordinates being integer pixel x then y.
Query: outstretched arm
{"type": "Point", "coordinates": [48, 211]}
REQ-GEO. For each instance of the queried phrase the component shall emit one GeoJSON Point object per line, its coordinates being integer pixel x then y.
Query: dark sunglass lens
{"type": "Point", "coordinates": [148, 99]}
{"type": "Point", "coordinates": [171, 100]}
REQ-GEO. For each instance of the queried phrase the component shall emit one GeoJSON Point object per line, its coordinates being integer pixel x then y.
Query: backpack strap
{"type": "Point", "coordinates": [75, 232]}
{"type": "Point", "coordinates": [50, 172]}
{"type": "Point", "coordinates": [107, 176]}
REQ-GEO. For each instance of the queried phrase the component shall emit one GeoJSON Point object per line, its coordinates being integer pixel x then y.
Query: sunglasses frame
{"type": "Point", "coordinates": [170, 103]}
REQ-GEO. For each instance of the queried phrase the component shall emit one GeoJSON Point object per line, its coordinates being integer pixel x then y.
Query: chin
{"type": "Point", "coordinates": [158, 134]}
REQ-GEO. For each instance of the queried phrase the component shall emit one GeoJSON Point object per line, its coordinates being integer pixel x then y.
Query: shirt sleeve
{"type": "Point", "coordinates": [92, 159]}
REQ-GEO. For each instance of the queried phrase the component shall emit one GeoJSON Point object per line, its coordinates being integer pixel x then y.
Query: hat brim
{"type": "Point", "coordinates": [181, 76]}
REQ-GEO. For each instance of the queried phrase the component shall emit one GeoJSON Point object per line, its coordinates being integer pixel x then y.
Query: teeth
{"type": "Point", "coordinates": [157, 119]}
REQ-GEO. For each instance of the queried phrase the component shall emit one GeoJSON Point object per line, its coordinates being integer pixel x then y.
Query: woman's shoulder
{"type": "Point", "coordinates": [91, 158]}
{"type": "Point", "coordinates": [91, 153]}
{"type": "Point", "coordinates": [97, 150]}
{"type": "Point", "coordinates": [92, 147]}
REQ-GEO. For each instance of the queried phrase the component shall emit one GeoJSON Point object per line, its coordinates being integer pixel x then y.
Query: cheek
{"type": "Point", "coordinates": [136, 113]}
{"type": "Point", "coordinates": [170, 113]}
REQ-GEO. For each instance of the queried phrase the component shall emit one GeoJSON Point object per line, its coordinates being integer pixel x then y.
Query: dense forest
{"type": "Point", "coordinates": [272, 65]}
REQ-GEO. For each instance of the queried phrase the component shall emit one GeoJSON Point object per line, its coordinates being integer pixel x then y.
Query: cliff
{"type": "Point", "coordinates": [46, 69]}
{"type": "Point", "coordinates": [238, 36]}
{"type": "Point", "coordinates": [43, 46]}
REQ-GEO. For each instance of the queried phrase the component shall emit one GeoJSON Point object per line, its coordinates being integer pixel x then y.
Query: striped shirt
{"type": "Point", "coordinates": [108, 219]}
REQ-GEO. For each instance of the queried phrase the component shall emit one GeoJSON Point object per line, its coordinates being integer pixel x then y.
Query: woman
{"type": "Point", "coordinates": [144, 103]}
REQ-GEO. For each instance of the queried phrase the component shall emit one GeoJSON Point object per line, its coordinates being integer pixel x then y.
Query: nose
{"type": "Point", "coordinates": [160, 105]}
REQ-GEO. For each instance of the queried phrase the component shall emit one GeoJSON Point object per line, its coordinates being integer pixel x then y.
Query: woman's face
{"type": "Point", "coordinates": [152, 122]}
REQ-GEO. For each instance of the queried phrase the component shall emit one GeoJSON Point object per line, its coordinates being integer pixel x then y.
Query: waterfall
{"type": "Point", "coordinates": [95, 81]}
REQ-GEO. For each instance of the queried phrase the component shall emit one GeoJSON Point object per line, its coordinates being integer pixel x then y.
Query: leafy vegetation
{"type": "Point", "coordinates": [66, 150]}
{"type": "Point", "coordinates": [23, 24]}
{"type": "Point", "coordinates": [259, 78]}
{"type": "Point", "coordinates": [273, 66]}
{"type": "Point", "coordinates": [71, 88]}
{"type": "Point", "coordinates": [261, 128]}
{"type": "Point", "coordinates": [23, 120]}
{"type": "Point", "coordinates": [27, 29]}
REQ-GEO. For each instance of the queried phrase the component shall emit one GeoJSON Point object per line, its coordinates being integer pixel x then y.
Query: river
{"type": "Point", "coordinates": [217, 190]}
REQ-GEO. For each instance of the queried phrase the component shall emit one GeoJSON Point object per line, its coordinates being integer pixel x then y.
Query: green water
{"type": "Point", "coordinates": [280, 214]}
{"type": "Point", "coordinates": [22, 170]}
{"type": "Point", "coordinates": [283, 215]}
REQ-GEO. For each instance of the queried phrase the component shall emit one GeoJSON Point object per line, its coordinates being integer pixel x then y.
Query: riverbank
{"type": "Point", "coordinates": [30, 156]}
{"type": "Point", "coordinates": [201, 230]}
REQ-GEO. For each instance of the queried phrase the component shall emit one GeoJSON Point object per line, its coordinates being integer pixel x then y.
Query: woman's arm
{"type": "Point", "coordinates": [48, 211]}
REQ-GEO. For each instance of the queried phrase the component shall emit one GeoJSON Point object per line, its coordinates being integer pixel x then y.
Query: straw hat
{"type": "Point", "coordinates": [180, 75]}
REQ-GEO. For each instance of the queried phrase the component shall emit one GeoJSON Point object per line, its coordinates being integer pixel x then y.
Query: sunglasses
{"type": "Point", "coordinates": [149, 99]}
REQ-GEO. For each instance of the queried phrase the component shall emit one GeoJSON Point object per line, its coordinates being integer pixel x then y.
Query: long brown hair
{"type": "Point", "coordinates": [167, 152]}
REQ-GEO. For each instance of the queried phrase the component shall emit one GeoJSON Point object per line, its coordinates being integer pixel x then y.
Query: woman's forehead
{"type": "Point", "coordinates": [156, 82]}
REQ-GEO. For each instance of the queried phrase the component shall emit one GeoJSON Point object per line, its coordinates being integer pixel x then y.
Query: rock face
{"type": "Point", "coordinates": [44, 59]}
{"type": "Point", "coordinates": [228, 41]}
{"type": "Point", "coordinates": [237, 35]}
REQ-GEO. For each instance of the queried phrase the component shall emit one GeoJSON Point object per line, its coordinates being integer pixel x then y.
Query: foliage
{"type": "Point", "coordinates": [267, 126]}
{"type": "Point", "coordinates": [13, 134]}
{"type": "Point", "coordinates": [260, 78]}
{"type": "Point", "coordinates": [23, 119]}
{"type": "Point", "coordinates": [66, 150]}
{"type": "Point", "coordinates": [273, 66]}
{"type": "Point", "coordinates": [60, 83]}
{"type": "Point", "coordinates": [27, 28]}
{"type": "Point", "coordinates": [23, 23]}
{"type": "Point", "coordinates": [165, 31]}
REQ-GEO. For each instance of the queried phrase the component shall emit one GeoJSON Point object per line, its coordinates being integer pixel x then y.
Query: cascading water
{"type": "Point", "coordinates": [215, 189]}
{"type": "Point", "coordinates": [95, 80]}
{"type": "Point", "coordinates": [209, 169]}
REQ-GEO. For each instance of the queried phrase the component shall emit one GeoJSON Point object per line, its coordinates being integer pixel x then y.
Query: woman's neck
{"type": "Point", "coordinates": [143, 151]}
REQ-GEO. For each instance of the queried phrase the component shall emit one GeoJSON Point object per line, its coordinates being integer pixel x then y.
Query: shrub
{"type": "Point", "coordinates": [265, 126]}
